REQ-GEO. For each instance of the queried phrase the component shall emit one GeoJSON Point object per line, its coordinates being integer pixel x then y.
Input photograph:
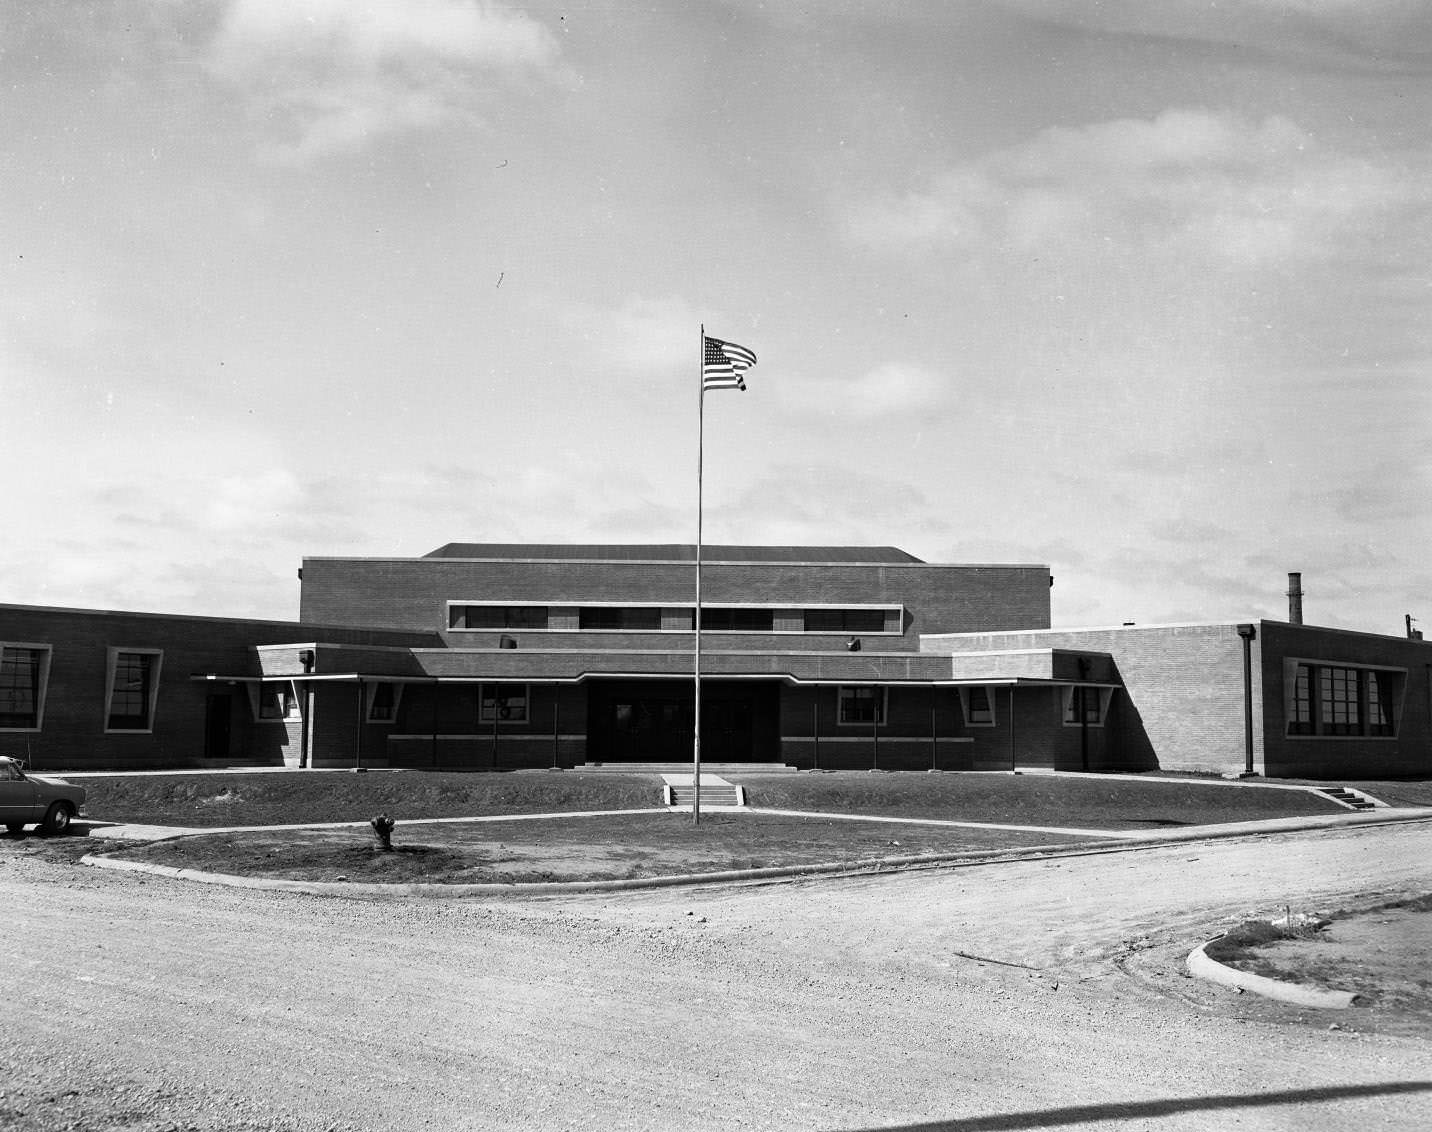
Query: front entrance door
{"type": "Point", "coordinates": [218, 710]}
{"type": "Point", "coordinates": [649, 729]}
{"type": "Point", "coordinates": [726, 730]}
{"type": "Point", "coordinates": [653, 721]}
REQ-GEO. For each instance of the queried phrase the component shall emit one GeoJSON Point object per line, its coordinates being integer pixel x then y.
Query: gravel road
{"type": "Point", "coordinates": [1033, 994]}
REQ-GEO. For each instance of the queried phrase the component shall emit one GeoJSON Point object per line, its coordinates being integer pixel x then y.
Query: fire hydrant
{"type": "Point", "coordinates": [383, 827]}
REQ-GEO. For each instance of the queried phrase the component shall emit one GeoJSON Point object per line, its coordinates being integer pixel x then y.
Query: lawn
{"type": "Point", "coordinates": [296, 798]}
{"type": "Point", "coordinates": [1043, 800]}
{"type": "Point", "coordinates": [636, 844]}
{"type": "Point", "coordinates": [303, 797]}
{"type": "Point", "coordinates": [617, 847]}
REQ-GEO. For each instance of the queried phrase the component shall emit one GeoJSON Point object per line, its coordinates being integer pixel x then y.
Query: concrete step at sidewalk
{"type": "Point", "coordinates": [715, 791]}
{"type": "Point", "coordinates": [710, 796]}
{"type": "Point", "coordinates": [1349, 798]}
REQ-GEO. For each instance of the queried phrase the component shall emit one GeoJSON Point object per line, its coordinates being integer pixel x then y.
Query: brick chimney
{"type": "Point", "coordinates": [1295, 599]}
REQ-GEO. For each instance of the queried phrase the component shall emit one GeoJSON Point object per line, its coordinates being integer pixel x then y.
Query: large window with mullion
{"type": "Point", "coordinates": [1342, 700]}
{"type": "Point", "coordinates": [860, 705]}
{"type": "Point", "coordinates": [24, 673]}
{"type": "Point", "coordinates": [503, 703]}
{"type": "Point", "coordinates": [736, 619]}
{"type": "Point", "coordinates": [624, 618]}
{"type": "Point", "coordinates": [133, 689]}
{"type": "Point", "coordinates": [1085, 706]}
{"type": "Point", "coordinates": [275, 701]}
{"type": "Point", "coordinates": [384, 698]}
{"type": "Point", "coordinates": [977, 704]}
{"type": "Point", "coordinates": [497, 617]}
{"type": "Point", "coordinates": [844, 620]}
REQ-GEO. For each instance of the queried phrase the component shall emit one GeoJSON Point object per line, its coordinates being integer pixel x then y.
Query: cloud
{"type": "Point", "coordinates": [897, 388]}
{"type": "Point", "coordinates": [642, 335]}
{"type": "Point", "coordinates": [324, 76]}
{"type": "Point", "coordinates": [894, 389]}
{"type": "Point", "coordinates": [821, 504]}
{"type": "Point", "coordinates": [1190, 182]}
{"type": "Point", "coordinates": [1378, 34]}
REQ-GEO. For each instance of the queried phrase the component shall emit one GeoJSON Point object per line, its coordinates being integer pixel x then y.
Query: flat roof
{"type": "Point", "coordinates": [672, 552]}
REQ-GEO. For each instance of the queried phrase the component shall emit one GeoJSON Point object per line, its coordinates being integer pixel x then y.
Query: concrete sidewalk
{"type": "Point", "coordinates": [122, 832]}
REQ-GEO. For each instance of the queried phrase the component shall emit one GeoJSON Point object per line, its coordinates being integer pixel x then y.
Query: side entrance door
{"type": "Point", "coordinates": [218, 709]}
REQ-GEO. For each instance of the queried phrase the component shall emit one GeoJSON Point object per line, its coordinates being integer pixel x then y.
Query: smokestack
{"type": "Point", "coordinates": [1295, 599]}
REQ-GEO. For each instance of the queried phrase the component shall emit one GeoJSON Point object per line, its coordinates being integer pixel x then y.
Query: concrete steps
{"type": "Point", "coordinates": [725, 795]}
{"type": "Point", "coordinates": [716, 793]}
{"type": "Point", "coordinates": [1349, 798]}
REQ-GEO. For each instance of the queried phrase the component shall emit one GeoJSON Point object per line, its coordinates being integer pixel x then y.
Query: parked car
{"type": "Point", "coordinates": [36, 799]}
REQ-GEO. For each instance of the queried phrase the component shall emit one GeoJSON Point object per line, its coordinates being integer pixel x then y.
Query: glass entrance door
{"type": "Point", "coordinates": [653, 721]}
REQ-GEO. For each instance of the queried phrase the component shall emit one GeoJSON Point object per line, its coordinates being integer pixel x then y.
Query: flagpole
{"type": "Point", "coordinates": [700, 450]}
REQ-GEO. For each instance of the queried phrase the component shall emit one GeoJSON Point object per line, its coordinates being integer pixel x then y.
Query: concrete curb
{"type": "Point", "coordinates": [1201, 966]}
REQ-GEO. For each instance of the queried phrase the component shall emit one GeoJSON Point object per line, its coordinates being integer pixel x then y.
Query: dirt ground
{"type": "Point", "coordinates": [1383, 955]}
{"type": "Point", "coordinates": [1029, 994]}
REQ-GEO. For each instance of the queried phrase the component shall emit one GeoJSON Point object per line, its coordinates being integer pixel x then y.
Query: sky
{"type": "Point", "coordinates": [1142, 292]}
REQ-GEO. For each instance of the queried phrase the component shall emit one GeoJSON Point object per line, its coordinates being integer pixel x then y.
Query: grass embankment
{"type": "Point", "coordinates": [302, 798]}
{"type": "Point", "coordinates": [1043, 800]}
{"type": "Point", "coordinates": [635, 845]}
{"type": "Point", "coordinates": [299, 798]}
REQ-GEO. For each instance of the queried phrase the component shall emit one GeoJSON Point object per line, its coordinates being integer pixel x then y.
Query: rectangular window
{"type": "Point", "coordinates": [505, 703]}
{"type": "Point", "coordinates": [1379, 703]}
{"type": "Point", "coordinates": [678, 619]}
{"type": "Point", "coordinates": [277, 701]}
{"type": "Point", "coordinates": [978, 706]}
{"type": "Point", "coordinates": [845, 620]}
{"type": "Point", "coordinates": [1091, 700]}
{"type": "Point", "coordinates": [133, 689]}
{"type": "Point", "coordinates": [24, 672]}
{"type": "Point", "coordinates": [1300, 714]}
{"type": "Point", "coordinates": [628, 618]}
{"type": "Point", "coordinates": [862, 705]}
{"type": "Point", "coordinates": [497, 616]}
{"type": "Point", "coordinates": [1337, 701]}
{"type": "Point", "coordinates": [383, 701]}
{"type": "Point", "coordinates": [737, 620]}
{"type": "Point", "coordinates": [1341, 699]}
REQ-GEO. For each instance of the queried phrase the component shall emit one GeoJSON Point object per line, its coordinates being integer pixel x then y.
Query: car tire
{"type": "Point", "coordinates": [15, 826]}
{"type": "Point", "coordinates": [57, 819]}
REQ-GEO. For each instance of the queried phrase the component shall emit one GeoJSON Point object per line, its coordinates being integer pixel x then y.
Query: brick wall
{"type": "Point", "coordinates": [414, 593]}
{"type": "Point", "coordinates": [73, 734]}
{"type": "Point", "coordinates": [1406, 754]}
{"type": "Point", "coordinates": [1181, 707]}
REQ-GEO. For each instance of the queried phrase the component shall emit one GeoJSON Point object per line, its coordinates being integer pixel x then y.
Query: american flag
{"type": "Point", "coordinates": [723, 364]}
